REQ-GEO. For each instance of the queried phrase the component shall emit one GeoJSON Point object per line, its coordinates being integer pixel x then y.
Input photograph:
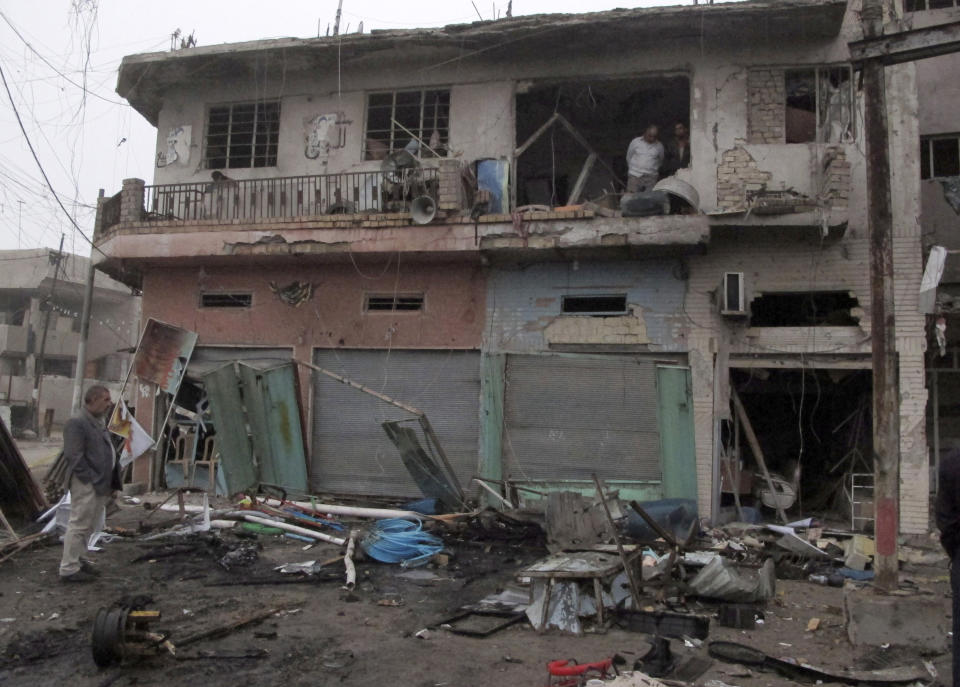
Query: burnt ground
{"type": "Point", "coordinates": [328, 636]}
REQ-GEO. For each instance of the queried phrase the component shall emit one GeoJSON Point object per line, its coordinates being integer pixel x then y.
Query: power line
{"type": "Point", "coordinates": [50, 64]}
{"type": "Point", "coordinates": [36, 159]}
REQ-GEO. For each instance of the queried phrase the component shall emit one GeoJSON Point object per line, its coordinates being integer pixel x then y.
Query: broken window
{"type": "Point", "coordinates": [920, 5]}
{"type": "Point", "coordinates": [226, 300]}
{"type": "Point", "coordinates": [606, 114]}
{"type": "Point", "coordinates": [819, 105]}
{"type": "Point", "coordinates": [595, 305]}
{"type": "Point", "coordinates": [397, 119]}
{"type": "Point", "coordinates": [810, 309]}
{"type": "Point", "coordinates": [394, 302]}
{"type": "Point", "coordinates": [242, 135]}
{"type": "Point", "coordinates": [939, 156]}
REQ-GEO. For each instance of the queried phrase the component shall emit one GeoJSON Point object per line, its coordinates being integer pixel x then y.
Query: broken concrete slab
{"type": "Point", "coordinates": [876, 620]}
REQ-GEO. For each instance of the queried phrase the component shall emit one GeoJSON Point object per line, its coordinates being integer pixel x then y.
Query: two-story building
{"type": "Point", "coordinates": [545, 334]}
{"type": "Point", "coordinates": [41, 303]}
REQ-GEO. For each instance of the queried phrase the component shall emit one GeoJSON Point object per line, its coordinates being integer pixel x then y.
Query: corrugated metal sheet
{"type": "Point", "coordinates": [351, 452]}
{"type": "Point", "coordinates": [273, 413]}
{"type": "Point", "coordinates": [233, 442]}
{"type": "Point", "coordinates": [569, 416]}
{"type": "Point", "coordinates": [208, 358]}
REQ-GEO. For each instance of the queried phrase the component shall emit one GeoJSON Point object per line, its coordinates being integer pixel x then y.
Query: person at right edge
{"type": "Point", "coordinates": [948, 520]}
{"type": "Point", "coordinates": [91, 479]}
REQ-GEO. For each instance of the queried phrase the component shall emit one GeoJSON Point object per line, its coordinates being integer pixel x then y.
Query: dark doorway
{"type": "Point", "coordinates": [608, 114]}
{"type": "Point", "coordinates": [814, 428]}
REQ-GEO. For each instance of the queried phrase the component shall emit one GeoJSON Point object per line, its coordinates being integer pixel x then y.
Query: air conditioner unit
{"type": "Point", "coordinates": [732, 295]}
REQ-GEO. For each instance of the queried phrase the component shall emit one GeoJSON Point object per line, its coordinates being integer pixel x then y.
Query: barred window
{"type": "Point", "coordinates": [393, 117]}
{"type": "Point", "coordinates": [242, 135]}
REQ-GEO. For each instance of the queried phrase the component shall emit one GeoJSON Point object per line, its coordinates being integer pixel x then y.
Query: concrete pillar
{"type": "Point", "coordinates": [131, 200]}
{"type": "Point", "coordinates": [450, 198]}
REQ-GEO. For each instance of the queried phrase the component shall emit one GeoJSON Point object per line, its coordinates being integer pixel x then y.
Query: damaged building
{"type": "Point", "coordinates": [438, 215]}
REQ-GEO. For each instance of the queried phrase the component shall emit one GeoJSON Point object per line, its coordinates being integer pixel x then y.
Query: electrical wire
{"type": "Point", "coordinates": [40, 165]}
{"type": "Point", "coordinates": [400, 541]}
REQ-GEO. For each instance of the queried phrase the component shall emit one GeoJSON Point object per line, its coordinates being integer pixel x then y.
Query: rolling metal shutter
{"type": "Point", "coordinates": [351, 452]}
{"type": "Point", "coordinates": [566, 417]}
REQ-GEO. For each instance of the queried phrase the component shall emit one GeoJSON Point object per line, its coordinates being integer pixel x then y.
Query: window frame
{"type": "Point", "coordinates": [852, 96]}
{"type": "Point", "coordinates": [253, 142]}
{"type": "Point", "coordinates": [927, 174]}
{"type": "Point", "coordinates": [395, 298]}
{"type": "Point", "coordinates": [926, 6]}
{"type": "Point", "coordinates": [234, 294]}
{"type": "Point", "coordinates": [392, 148]}
{"type": "Point", "coordinates": [595, 313]}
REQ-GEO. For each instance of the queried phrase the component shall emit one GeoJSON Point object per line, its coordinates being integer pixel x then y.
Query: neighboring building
{"type": "Point", "coordinates": [548, 345]}
{"type": "Point", "coordinates": [28, 292]}
{"type": "Point", "coordinates": [939, 97]}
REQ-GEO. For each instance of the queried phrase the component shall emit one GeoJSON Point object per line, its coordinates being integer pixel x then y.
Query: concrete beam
{"type": "Point", "coordinates": [907, 46]}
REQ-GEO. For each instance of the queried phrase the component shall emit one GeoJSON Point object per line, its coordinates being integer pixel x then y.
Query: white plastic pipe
{"type": "Point", "coordinates": [293, 528]}
{"type": "Point", "coordinates": [348, 562]}
{"type": "Point", "coordinates": [355, 511]}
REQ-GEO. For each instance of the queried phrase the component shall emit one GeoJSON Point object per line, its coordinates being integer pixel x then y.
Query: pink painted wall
{"type": "Point", "coordinates": [452, 316]}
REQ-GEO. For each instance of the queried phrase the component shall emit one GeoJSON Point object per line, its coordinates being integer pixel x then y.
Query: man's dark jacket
{"type": "Point", "coordinates": [88, 452]}
{"type": "Point", "coordinates": [948, 502]}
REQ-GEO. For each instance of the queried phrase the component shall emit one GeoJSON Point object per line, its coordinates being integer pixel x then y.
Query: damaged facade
{"type": "Point", "coordinates": [939, 97]}
{"type": "Point", "coordinates": [494, 283]}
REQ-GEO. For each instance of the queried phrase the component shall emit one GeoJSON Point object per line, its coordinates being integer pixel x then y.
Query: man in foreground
{"type": "Point", "coordinates": [90, 465]}
{"type": "Point", "coordinates": [948, 521]}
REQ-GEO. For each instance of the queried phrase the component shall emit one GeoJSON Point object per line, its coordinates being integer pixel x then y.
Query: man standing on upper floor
{"type": "Point", "coordinates": [644, 158]}
{"type": "Point", "coordinates": [678, 150]}
{"type": "Point", "coordinates": [90, 460]}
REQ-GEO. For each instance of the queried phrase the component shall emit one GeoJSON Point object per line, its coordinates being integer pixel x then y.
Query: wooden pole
{"type": "Point", "coordinates": [634, 589]}
{"type": "Point", "coordinates": [757, 451]}
{"type": "Point", "coordinates": [886, 387]}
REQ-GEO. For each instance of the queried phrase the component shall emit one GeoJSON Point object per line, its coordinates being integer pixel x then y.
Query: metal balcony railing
{"type": "Point", "coordinates": [288, 197]}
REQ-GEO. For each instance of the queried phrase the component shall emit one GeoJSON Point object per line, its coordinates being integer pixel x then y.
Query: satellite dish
{"type": "Point", "coordinates": [396, 165]}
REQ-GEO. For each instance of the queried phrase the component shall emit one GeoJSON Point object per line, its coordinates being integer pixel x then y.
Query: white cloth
{"type": "Point", "coordinates": [644, 158]}
{"type": "Point", "coordinates": [136, 441]}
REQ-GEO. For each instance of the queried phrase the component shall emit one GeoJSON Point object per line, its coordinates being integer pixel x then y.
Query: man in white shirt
{"type": "Point", "coordinates": [644, 158]}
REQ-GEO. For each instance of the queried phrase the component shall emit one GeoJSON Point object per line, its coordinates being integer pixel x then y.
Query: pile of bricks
{"type": "Point", "coordinates": [766, 106]}
{"type": "Point", "coordinates": [738, 175]}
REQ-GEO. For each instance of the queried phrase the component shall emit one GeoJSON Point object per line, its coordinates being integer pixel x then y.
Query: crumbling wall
{"type": "Point", "coordinates": [737, 175]}
{"type": "Point", "coordinates": [621, 329]}
{"type": "Point", "coordinates": [524, 305]}
{"type": "Point", "coordinates": [836, 178]}
{"type": "Point", "coordinates": [766, 95]}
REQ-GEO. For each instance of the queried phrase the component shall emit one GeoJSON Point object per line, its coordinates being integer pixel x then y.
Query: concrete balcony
{"type": "Point", "coordinates": [13, 339]}
{"type": "Point", "coordinates": [60, 344]}
{"type": "Point", "coordinates": [284, 222]}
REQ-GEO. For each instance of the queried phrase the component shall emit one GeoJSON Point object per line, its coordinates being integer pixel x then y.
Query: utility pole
{"type": "Point", "coordinates": [84, 328]}
{"type": "Point", "coordinates": [19, 222]}
{"type": "Point", "coordinates": [336, 22]}
{"type": "Point", "coordinates": [886, 383]}
{"type": "Point", "coordinates": [38, 366]}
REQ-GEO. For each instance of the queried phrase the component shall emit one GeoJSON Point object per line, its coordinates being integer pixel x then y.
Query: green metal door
{"type": "Point", "coordinates": [675, 418]}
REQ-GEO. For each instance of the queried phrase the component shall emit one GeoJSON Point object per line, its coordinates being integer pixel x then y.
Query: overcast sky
{"type": "Point", "coordinates": [91, 140]}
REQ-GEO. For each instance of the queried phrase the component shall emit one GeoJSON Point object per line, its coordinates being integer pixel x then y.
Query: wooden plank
{"type": "Point", "coordinates": [755, 447]}
{"type": "Point", "coordinates": [634, 589]}
{"type": "Point", "coordinates": [582, 179]}
{"type": "Point", "coordinates": [536, 134]}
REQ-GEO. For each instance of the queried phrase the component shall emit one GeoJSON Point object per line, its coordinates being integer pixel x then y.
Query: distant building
{"type": "Point", "coordinates": [27, 294]}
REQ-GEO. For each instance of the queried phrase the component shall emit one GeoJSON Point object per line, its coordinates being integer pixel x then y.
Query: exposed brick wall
{"type": "Point", "coordinates": [738, 175]}
{"type": "Point", "coordinates": [131, 200]}
{"type": "Point", "coordinates": [450, 194]}
{"type": "Point", "coordinates": [836, 178]}
{"type": "Point", "coordinates": [766, 106]}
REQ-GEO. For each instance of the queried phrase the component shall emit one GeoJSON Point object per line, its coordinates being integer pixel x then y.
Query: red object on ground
{"type": "Point", "coordinates": [573, 673]}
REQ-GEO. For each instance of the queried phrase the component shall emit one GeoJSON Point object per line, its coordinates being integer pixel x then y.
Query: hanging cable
{"type": "Point", "coordinates": [40, 166]}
